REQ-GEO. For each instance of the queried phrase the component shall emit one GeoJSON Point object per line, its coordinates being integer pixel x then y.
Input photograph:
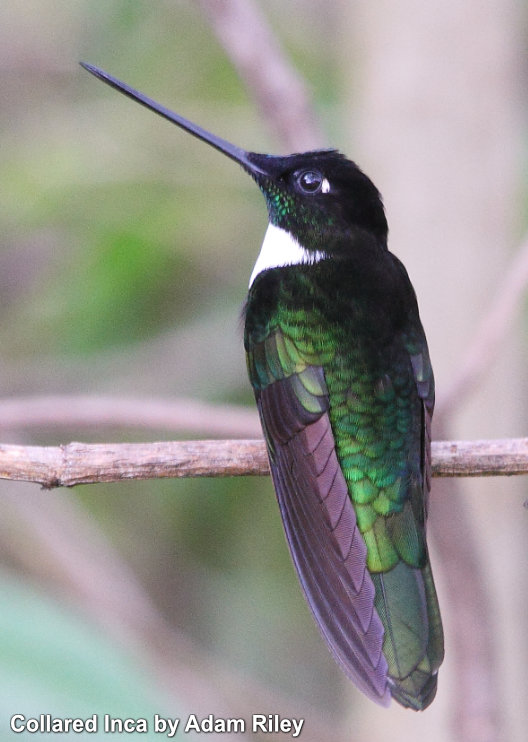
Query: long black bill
{"type": "Point", "coordinates": [235, 153]}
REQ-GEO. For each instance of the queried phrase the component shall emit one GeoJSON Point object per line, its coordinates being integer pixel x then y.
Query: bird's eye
{"type": "Point", "coordinates": [309, 181]}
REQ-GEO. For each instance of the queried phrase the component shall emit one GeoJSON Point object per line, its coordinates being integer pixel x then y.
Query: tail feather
{"type": "Point", "coordinates": [413, 642]}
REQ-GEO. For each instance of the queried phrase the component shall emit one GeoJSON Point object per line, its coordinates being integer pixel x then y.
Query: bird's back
{"type": "Point", "coordinates": [345, 391]}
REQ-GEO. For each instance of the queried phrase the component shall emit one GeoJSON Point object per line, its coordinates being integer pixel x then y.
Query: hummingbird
{"type": "Point", "coordinates": [339, 365]}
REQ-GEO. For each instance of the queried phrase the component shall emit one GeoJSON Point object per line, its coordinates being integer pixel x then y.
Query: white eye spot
{"type": "Point", "coordinates": [325, 187]}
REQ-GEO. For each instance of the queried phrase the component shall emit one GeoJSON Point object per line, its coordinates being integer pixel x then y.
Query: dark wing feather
{"type": "Point", "coordinates": [320, 523]}
{"type": "Point", "coordinates": [382, 626]}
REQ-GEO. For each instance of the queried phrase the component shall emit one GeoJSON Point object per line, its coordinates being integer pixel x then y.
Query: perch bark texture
{"type": "Point", "coordinates": [88, 463]}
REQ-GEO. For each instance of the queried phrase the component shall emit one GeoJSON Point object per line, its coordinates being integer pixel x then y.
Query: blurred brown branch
{"type": "Point", "coordinates": [185, 415]}
{"type": "Point", "coordinates": [76, 562]}
{"type": "Point", "coordinates": [85, 463]}
{"type": "Point", "coordinates": [278, 89]}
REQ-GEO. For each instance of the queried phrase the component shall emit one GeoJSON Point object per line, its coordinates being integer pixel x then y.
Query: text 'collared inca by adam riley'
{"type": "Point", "coordinates": [263, 723]}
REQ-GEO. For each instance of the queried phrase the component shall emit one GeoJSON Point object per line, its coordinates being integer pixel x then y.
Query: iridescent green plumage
{"type": "Point", "coordinates": [339, 364]}
{"type": "Point", "coordinates": [377, 385]}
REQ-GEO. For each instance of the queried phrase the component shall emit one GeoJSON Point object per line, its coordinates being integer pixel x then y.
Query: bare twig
{"type": "Point", "coordinates": [484, 458]}
{"type": "Point", "coordinates": [279, 91]}
{"type": "Point", "coordinates": [186, 415]}
{"type": "Point", "coordinates": [85, 463]}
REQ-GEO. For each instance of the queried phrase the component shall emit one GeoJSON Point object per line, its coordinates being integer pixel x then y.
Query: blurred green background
{"type": "Point", "coordinates": [125, 255]}
{"type": "Point", "coordinates": [124, 260]}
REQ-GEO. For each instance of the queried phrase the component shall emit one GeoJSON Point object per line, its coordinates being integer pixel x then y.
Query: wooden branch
{"type": "Point", "coordinates": [485, 458]}
{"type": "Point", "coordinates": [89, 463]}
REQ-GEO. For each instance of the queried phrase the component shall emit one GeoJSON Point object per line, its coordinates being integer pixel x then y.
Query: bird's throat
{"type": "Point", "coordinates": [279, 249]}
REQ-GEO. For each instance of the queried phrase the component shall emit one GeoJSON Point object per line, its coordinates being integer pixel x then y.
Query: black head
{"type": "Point", "coordinates": [322, 198]}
